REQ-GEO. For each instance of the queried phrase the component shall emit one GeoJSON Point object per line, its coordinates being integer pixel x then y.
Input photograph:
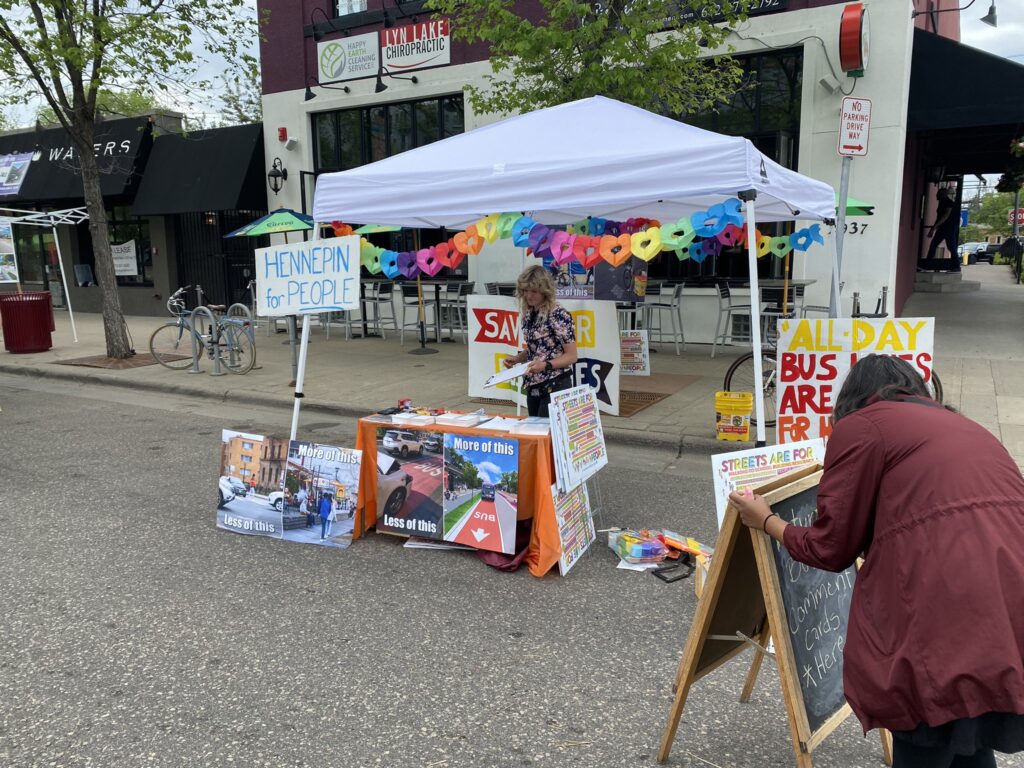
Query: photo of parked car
{"type": "Point", "coordinates": [433, 442]}
{"type": "Point", "coordinates": [402, 443]}
{"type": "Point", "coordinates": [240, 488]}
{"type": "Point", "coordinates": [225, 491]}
{"type": "Point", "coordinates": [392, 485]}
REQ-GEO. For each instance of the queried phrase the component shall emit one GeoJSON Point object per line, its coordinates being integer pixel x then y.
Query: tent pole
{"type": "Point", "coordinates": [64, 280]}
{"type": "Point", "coordinates": [755, 311]}
{"type": "Point", "coordinates": [837, 255]}
{"type": "Point", "coordinates": [303, 347]}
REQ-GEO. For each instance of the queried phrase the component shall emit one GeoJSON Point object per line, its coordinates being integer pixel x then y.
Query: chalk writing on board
{"type": "Point", "coordinates": [817, 607]}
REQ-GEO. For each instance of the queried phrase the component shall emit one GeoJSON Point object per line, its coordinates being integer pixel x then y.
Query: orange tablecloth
{"type": "Point", "coordinates": [536, 476]}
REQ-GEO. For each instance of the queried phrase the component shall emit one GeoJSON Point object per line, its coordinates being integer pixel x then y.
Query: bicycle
{"type": "Point", "coordinates": [229, 338]}
{"type": "Point", "coordinates": [740, 378]}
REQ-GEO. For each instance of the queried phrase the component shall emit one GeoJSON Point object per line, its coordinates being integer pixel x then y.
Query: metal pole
{"type": "Point", "coordinates": [64, 280]}
{"type": "Point", "coordinates": [1016, 233]}
{"type": "Point", "coordinates": [301, 377]}
{"type": "Point", "coordinates": [837, 262]}
{"type": "Point", "coordinates": [755, 313]}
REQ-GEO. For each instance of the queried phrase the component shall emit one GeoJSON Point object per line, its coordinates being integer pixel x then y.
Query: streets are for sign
{"type": "Point", "coordinates": [854, 125]}
{"type": "Point", "coordinates": [814, 357]}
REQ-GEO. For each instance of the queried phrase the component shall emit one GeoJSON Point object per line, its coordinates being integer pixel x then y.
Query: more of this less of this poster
{"type": "Point", "coordinates": [13, 170]}
{"type": "Point", "coordinates": [481, 491]}
{"type": "Point", "coordinates": [577, 438]}
{"type": "Point", "coordinates": [309, 277]}
{"type": "Point", "coordinates": [409, 479]}
{"type": "Point", "coordinates": [494, 335]}
{"type": "Point", "coordinates": [753, 468]}
{"type": "Point", "coordinates": [8, 258]}
{"type": "Point", "coordinates": [636, 353]}
{"type": "Point", "coordinates": [814, 356]}
{"type": "Point", "coordinates": [320, 494]}
{"type": "Point", "coordinates": [575, 525]}
{"type": "Point", "coordinates": [240, 509]}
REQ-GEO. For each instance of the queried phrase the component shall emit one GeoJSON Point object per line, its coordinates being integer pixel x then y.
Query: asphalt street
{"type": "Point", "coordinates": [133, 632]}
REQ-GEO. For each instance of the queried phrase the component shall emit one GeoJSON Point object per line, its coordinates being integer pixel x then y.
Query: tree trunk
{"type": "Point", "coordinates": [114, 328]}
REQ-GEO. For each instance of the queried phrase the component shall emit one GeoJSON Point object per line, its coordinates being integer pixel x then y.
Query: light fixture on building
{"type": "Point", "coordinates": [380, 86]}
{"type": "Point", "coordinates": [277, 175]}
{"type": "Point", "coordinates": [317, 34]}
{"type": "Point", "coordinates": [389, 22]}
{"type": "Point", "coordinates": [309, 91]}
{"type": "Point", "coordinates": [989, 18]}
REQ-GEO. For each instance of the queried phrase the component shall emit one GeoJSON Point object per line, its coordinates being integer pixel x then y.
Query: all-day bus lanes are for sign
{"type": "Point", "coordinates": [303, 278]}
{"type": "Point", "coordinates": [814, 357]}
{"type": "Point", "coordinates": [575, 525]}
{"type": "Point", "coordinates": [577, 439]}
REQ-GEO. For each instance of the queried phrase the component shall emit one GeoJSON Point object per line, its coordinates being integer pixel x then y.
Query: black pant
{"type": "Point", "coordinates": [908, 755]}
{"type": "Point", "coordinates": [949, 236]}
{"type": "Point", "coordinates": [538, 406]}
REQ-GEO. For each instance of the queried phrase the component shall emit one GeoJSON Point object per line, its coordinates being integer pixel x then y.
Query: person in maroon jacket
{"type": "Point", "coordinates": [935, 505]}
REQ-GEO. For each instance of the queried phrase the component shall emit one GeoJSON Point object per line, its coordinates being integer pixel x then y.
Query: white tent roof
{"type": "Point", "coordinates": [593, 157]}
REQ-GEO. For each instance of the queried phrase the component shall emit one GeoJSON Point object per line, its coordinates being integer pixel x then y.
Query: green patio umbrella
{"type": "Point", "coordinates": [281, 221]}
{"type": "Point", "coordinates": [855, 207]}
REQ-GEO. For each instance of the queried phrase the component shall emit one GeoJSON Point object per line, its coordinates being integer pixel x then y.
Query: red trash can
{"type": "Point", "coordinates": [27, 320]}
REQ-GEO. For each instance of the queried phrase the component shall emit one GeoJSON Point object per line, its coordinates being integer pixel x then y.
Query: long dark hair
{"type": "Point", "coordinates": [878, 377]}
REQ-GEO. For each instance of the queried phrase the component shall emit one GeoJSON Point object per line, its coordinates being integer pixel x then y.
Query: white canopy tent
{"type": "Point", "coordinates": [593, 157]}
{"type": "Point", "coordinates": [51, 219]}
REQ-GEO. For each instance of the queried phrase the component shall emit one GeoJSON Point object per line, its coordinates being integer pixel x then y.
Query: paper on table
{"type": "Point", "coordinates": [507, 375]}
{"type": "Point", "coordinates": [636, 566]}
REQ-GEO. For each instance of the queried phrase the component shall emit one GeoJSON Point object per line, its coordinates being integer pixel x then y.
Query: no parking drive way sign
{"type": "Point", "coordinates": [854, 124]}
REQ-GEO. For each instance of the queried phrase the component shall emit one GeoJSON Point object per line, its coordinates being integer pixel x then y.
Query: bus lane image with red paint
{"type": "Point", "coordinates": [408, 484]}
{"type": "Point", "coordinates": [481, 484]}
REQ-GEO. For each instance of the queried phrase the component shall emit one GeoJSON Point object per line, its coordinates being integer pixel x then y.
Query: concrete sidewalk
{"type": "Point", "coordinates": [979, 356]}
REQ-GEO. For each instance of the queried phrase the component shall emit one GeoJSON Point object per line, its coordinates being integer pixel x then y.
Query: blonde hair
{"type": "Point", "coordinates": [539, 279]}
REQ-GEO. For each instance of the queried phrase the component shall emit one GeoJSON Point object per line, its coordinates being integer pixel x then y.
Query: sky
{"type": "Point", "coordinates": [1006, 40]}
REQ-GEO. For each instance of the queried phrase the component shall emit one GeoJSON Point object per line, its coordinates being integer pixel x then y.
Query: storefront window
{"type": "Point", "coordinates": [126, 229]}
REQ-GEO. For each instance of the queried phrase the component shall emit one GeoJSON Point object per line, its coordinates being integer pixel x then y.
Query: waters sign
{"type": "Point", "coordinates": [302, 278]}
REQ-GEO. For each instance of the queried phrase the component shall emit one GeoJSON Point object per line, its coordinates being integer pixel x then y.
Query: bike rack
{"type": "Point", "coordinates": [213, 340]}
{"type": "Point", "coordinates": [241, 310]}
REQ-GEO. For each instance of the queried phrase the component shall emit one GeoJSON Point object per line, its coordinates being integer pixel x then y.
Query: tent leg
{"type": "Point", "coordinates": [64, 280]}
{"type": "Point", "coordinates": [755, 311]}
{"type": "Point", "coordinates": [301, 376]}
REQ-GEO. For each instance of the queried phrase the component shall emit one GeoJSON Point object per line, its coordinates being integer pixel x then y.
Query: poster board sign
{"type": "Point", "coordinates": [753, 468]}
{"type": "Point", "coordinates": [348, 58]}
{"type": "Point", "coordinates": [635, 351]}
{"type": "Point", "coordinates": [410, 470]}
{"type": "Point", "coordinates": [746, 601]}
{"type": "Point", "coordinates": [814, 356]}
{"type": "Point", "coordinates": [481, 489]}
{"type": "Point", "coordinates": [125, 262]}
{"type": "Point", "coordinates": [238, 509]}
{"type": "Point", "coordinates": [306, 278]}
{"type": "Point", "coordinates": [575, 525]}
{"type": "Point", "coordinates": [577, 439]}
{"type": "Point", "coordinates": [8, 256]}
{"type": "Point", "coordinates": [494, 335]}
{"type": "Point", "coordinates": [13, 170]}
{"type": "Point", "coordinates": [415, 46]}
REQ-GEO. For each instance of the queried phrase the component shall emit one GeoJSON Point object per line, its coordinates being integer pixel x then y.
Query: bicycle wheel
{"type": "Point", "coordinates": [740, 378]}
{"type": "Point", "coordinates": [171, 346]}
{"type": "Point", "coordinates": [236, 349]}
{"type": "Point", "coordinates": [935, 386]}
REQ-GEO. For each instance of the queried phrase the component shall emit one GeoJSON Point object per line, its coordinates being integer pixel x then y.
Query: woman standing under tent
{"type": "Point", "coordinates": [935, 504]}
{"type": "Point", "coordinates": [550, 340]}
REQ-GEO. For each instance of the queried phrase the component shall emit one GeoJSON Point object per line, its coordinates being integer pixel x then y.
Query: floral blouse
{"type": "Point", "coordinates": [546, 338]}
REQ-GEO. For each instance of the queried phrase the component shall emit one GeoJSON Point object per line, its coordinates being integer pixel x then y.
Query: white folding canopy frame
{"type": "Point", "coordinates": [51, 219]}
{"type": "Point", "coordinates": [592, 157]}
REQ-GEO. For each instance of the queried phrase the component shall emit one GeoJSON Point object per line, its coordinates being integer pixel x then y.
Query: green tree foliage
{"type": "Point", "coordinates": [472, 476]}
{"type": "Point", "coordinates": [510, 481]}
{"type": "Point", "coordinates": [644, 52]}
{"type": "Point", "coordinates": [69, 53]}
{"type": "Point", "coordinates": [986, 216]}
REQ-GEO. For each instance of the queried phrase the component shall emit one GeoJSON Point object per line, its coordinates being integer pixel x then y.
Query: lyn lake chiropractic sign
{"type": "Point", "coordinates": [310, 277]}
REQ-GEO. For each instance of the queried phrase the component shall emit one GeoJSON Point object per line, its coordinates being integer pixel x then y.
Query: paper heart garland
{"type": "Point", "coordinates": [407, 264]}
{"type": "Point", "coordinates": [389, 264]}
{"type": "Point", "coordinates": [488, 227]}
{"type": "Point", "coordinates": [540, 240]}
{"type": "Point", "coordinates": [596, 227]}
{"type": "Point", "coordinates": [562, 247]}
{"type": "Point", "coordinates": [780, 246]}
{"type": "Point", "coordinates": [587, 250]}
{"type": "Point", "coordinates": [505, 224]}
{"type": "Point", "coordinates": [732, 235]}
{"type": "Point", "coordinates": [369, 256]}
{"type": "Point", "coordinates": [427, 261]}
{"type": "Point", "coordinates": [455, 256]}
{"type": "Point", "coordinates": [443, 253]}
{"type": "Point", "coordinates": [469, 241]}
{"type": "Point", "coordinates": [646, 245]}
{"type": "Point", "coordinates": [677, 235]}
{"type": "Point", "coordinates": [616, 250]}
{"type": "Point", "coordinates": [521, 231]}
{"type": "Point", "coordinates": [711, 247]}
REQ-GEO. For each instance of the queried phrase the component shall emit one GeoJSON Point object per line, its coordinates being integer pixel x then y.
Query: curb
{"type": "Point", "coordinates": [680, 443]}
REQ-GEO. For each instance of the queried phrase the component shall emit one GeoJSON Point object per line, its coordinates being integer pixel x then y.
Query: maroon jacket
{"type": "Point", "coordinates": [936, 505]}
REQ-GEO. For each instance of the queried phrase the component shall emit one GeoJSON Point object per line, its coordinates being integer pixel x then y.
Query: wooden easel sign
{"type": "Point", "coordinates": [756, 591]}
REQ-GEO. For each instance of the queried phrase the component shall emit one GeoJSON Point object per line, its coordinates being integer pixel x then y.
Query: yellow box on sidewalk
{"type": "Point", "coordinates": [732, 415]}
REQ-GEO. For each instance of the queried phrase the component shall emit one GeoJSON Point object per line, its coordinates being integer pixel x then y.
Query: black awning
{"type": "Point", "coordinates": [215, 170]}
{"type": "Point", "coordinates": [120, 147]}
{"type": "Point", "coordinates": [956, 86]}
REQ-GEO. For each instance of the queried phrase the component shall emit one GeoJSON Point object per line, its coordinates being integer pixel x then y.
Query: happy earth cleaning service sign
{"type": "Point", "coordinates": [302, 278]}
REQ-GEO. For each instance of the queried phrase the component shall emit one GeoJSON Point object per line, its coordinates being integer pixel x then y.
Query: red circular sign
{"type": "Point", "coordinates": [853, 38]}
